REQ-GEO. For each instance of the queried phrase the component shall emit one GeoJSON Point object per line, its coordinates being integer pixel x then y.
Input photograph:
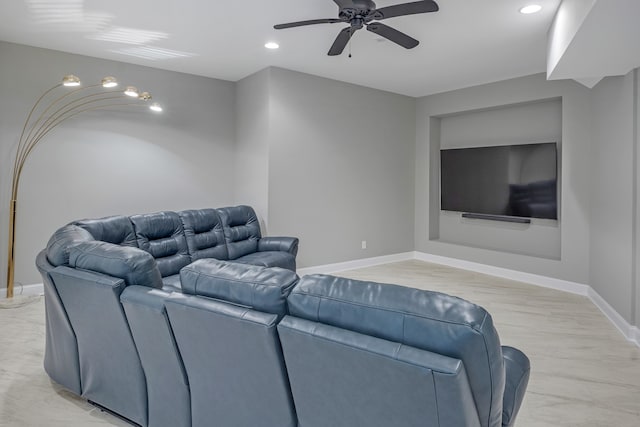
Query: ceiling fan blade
{"type": "Point", "coordinates": [341, 41]}
{"type": "Point", "coordinates": [406, 9]}
{"type": "Point", "coordinates": [392, 34]}
{"type": "Point", "coordinates": [310, 22]}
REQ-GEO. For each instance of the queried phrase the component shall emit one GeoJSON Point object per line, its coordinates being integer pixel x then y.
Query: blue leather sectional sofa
{"type": "Point", "coordinates": [194, 319]}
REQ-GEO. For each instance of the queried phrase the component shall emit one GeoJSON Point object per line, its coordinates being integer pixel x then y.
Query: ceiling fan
{"type": "Point", "coordinates": [360, 13]}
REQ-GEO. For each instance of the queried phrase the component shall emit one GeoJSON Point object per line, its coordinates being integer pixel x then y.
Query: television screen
{"type": "Point", "coordinates": [510, 180]}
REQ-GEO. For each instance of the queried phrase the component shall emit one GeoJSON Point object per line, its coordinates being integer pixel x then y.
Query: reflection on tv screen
{"type": "Point", "coordinates": [511, 180]}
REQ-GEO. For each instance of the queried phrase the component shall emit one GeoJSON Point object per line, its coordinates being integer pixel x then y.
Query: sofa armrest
{"type": "Point", "coordinates": [284, 244]}
{"type": "Point", "coordinates": [62, 241]}
{"type": "Point", "coordinates": [133, 265]}
{"type": "Point", "coordinates": [517, 368]}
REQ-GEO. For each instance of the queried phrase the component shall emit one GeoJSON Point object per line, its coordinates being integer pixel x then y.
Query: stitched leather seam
{"type": "Point", "coordinates": [233, 280]}
{"type": "Point", "coordinates": [509, 413]}
{"type": "Point", "coordinates": [486, 349]}
{"type": "Point", "coordinates": [391, 310]}
{"type": "Point", "coordinates": [435, 394]}
{"type": "Point", "coordinates": [242, 319]}
{"type": "Point", "coordinates": [359, 349]}
{"type": "Point", "coordinates": [86, 251]}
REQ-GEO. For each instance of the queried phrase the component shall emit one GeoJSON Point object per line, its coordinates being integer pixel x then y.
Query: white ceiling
{"type": "Point", "coordinates": [468, 42]}
{"type": "Point", "coordinates": [591, 39]}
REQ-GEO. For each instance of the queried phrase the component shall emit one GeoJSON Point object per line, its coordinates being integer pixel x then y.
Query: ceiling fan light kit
{"type": "Point", "coordinates": [363, 13]}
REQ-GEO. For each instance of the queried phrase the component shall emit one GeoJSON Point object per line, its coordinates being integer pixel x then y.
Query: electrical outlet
{"type": "Point", "coordinates": [364, 244]}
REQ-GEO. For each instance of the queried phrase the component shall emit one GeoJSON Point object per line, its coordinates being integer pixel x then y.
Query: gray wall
{"type": "Point", "coordinates": [252, 146]}
{"type": "Point", "coordinates": [544, 254]}
{"type": "Point", "coordinates": [113, 162]}
{"type": "Point", "coordinates": [340, 168]}
{"type": "Point", "coordinates": [636, 132]}
{"type": "Point", "coordinates": [332, 163]}
{"type": "Point", "coordinates": [614, 209]}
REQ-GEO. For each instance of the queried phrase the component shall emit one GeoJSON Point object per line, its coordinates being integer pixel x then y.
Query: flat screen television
{"type": "Point", "coordinates": [506, 180]}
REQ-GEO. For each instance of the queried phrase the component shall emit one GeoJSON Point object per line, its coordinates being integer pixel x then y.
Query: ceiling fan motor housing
{"type": "Point", "coordinates": [360, 11]}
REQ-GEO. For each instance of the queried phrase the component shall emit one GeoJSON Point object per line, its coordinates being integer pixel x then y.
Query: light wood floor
{"type": "Point", "coordinates": [584, 373]}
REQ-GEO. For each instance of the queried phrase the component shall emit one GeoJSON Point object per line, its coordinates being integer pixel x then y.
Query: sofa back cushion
{"type": "Point", "coordinates": [162, 235]}
{"type": "Point", "coordinates": [241, 230]}
{"type": "Point", "coordinates": [234, 364]}
{"type": "Point", "coordinates": [260, 288]}
{"type": "Point", "coordinates": [426, 320]}
{"type": "Point", "coordinates": [204, 234]}
{"type": "Point", "coordinates": [114, 229]}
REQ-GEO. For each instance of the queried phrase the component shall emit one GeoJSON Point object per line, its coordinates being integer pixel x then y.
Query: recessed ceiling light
{"type": "Point", "coordinates": [272, 45]}
{"type": "Point", "coordinates": [532, 8]}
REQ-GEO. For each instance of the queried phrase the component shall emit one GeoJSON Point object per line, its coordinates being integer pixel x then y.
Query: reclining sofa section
{"type": "Point", "coordinates": [87, 265]}
{"type": "Point", "coordinates": [364, 353]}
{"type": "Point", "coordinates": [226, 343]}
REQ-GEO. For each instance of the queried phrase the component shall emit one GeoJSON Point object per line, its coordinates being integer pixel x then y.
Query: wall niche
{"type": "Point", "coordinates": [523, 123]}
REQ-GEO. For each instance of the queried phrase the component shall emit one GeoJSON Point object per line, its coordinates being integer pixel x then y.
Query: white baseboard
{"type": "Point", "coordinates": [35, 289]}
{"type": "Point", "coordinates": [630, 332]}
{"type": "Point", "coordinates": [519, 276]}
{"type": "Point", "coordinates": [358, 263]}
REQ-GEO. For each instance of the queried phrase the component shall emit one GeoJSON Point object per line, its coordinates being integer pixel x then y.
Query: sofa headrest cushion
{"type": "Point", "coordinates": [62, 241]}
{"type": "Point", "coordinates": [114, 229]}
{"type": "Point", "coordinates": [427, 320]}
{"type": "Point", "coordinates": [261, 288]}
{"type": "Point", "coordinates": [133, 265]}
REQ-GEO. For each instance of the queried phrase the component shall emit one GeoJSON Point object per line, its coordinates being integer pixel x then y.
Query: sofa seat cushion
{"type": "Point", "coordinates": [269, 259]}
{"type": "Point", "coordinates": [256, 287]}
{"type": "Point", "coordinates": [171, 283]}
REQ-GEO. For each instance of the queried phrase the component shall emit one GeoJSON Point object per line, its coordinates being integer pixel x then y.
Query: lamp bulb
{"type": "Point", "coordinates": [131, 91]}
{"type": "Point", "coordinates": [109, 82]}
{"type": "Point", "coordinates": [70, 80]}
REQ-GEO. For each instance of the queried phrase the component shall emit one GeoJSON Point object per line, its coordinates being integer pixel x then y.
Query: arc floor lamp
{"type": "Point", "coordinates": [44, 117]}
